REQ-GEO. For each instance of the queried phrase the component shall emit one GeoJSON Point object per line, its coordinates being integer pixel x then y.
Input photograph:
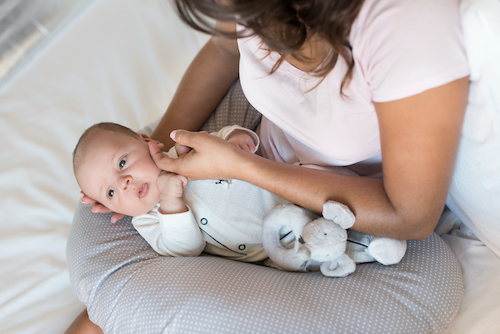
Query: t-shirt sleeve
{"type": "Point", "coordinates": [404, 47]}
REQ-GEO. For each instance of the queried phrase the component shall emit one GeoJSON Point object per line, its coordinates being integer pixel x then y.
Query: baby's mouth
{"type": "Point", "coordinates": [143, 191]}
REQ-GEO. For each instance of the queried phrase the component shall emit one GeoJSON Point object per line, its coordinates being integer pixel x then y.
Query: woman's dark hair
{"type": "Point", "coordinates": [283, 25]}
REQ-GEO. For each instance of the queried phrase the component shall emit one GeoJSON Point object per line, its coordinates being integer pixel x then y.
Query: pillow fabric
{"type": "Point", "coordinates": [128, 288]}
{"type": "Point", "coordinates": [475, 189]}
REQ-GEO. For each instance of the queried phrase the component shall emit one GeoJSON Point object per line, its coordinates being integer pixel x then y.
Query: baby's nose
{"type": "Point", "coordinates": [126, 181]}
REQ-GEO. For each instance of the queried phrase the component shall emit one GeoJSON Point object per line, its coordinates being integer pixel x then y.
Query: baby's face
{"type": "Point", "coordinates": [118, 172]}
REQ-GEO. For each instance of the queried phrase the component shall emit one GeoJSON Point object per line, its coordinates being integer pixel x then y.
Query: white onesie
{"type": "Point", "coordinates": [224, 218]}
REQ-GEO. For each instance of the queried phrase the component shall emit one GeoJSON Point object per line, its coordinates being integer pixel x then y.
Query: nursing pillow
{"type": "Point", "coordinates": [128, 288]}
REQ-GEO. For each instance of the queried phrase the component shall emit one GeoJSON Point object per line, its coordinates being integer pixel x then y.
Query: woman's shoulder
{"type": "Point", "coordinates": [405, 47]}
{"type": "Point", "coordinates": [386, 17]}
{"type": "Point", "coordinates": [406, 12]}
{"type": "Point", "coordinates": [375, 7]}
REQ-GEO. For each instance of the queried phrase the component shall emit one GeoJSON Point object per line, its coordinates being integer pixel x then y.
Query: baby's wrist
{"type": "Point", "coordinates": [171, 205]}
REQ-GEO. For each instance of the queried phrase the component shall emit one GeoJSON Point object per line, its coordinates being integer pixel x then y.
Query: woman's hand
{"type": "Point", "coordinates": [99, 208]}
{"type": "Point", "coordinates": [210, 158]}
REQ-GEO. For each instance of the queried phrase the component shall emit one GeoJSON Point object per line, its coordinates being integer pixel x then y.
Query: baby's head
{"type": "Point", "coordinates": [113, 166]}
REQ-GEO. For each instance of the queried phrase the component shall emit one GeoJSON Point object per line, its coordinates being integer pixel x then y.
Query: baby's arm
{"type": "Point", "coordinates": [172, 230]}
{"type": "Point", "coordinates": [176, 234]}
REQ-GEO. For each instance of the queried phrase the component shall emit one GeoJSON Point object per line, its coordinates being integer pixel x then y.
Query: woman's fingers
{"type": "Point", "coordinates": [96, 207]}
{"type": "Point", "coordinates": [87, 200]}
{"type": "Point", "coordinates": [99, 208]}
{"type": "Point", "coordinates": [203, 161]}
{"type": "Point", "coordinates": [159, 157]}
{"type": "Point", "coordinates": [192, 142]}
{"type": "Point", "coordinates": [116, 217]}
{"type": "Point", "coordinates": [186, 138]}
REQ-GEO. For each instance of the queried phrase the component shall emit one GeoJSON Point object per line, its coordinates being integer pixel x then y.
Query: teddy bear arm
{"type": "Point", "coordinates": [339, 214]}
{"type": "Point", "coordinates": [342, 267]}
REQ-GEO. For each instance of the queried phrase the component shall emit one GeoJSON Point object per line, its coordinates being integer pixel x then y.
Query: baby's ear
{"type": "Point", "coordinates": [144, 137]}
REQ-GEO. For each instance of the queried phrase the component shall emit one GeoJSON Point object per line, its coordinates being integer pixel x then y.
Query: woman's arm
{"type": "Point", "coordinates": [205, 83]}
{"type": "Point", "coordinates": [419, 138]}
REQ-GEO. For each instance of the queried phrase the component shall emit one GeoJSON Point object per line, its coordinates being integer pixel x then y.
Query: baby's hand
{"type": "Point", "coordinates": [171, 189]}
{"type": "Point", "coordinates": [242, 140]}
{"type": "Point", "coordinates": [171, 185]}
{"type": "Point", "coordinates": [182, 149]}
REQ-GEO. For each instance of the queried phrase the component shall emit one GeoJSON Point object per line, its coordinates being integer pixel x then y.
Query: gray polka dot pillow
{"type": "Point", "coordinates": [128, 288]}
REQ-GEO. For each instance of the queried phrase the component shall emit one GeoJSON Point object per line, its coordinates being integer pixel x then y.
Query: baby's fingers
{"type": "Point", "coordinates": [250, 147]}
{"type": "Point", "coordinates": [182, 149]}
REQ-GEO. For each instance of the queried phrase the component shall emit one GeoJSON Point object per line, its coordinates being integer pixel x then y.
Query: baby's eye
{"type": "Point", "coordinates": [122, 163]}
{"type": "Point", "coordinates": [111, 192]}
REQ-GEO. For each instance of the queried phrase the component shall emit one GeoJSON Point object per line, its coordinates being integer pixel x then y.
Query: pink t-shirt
{"type": "Point", "coordinates": [400, 47]}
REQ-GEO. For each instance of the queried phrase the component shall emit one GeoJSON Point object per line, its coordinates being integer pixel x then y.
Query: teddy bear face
{"type": "Point", "coordinates": [322, 240]}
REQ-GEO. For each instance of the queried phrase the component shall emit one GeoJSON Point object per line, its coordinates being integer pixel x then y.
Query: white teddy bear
{"type": "Point", "coordinates": [294, 242]}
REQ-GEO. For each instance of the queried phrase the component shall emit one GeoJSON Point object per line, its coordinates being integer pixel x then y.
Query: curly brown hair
{"type": "Point", "coordinates": [283, 25]}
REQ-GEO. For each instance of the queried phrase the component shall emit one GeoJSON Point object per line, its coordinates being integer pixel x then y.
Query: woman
{"type": "Point", "coordinates": [339, 83]}
{"type": "Point", "coordinates": [346, 82]}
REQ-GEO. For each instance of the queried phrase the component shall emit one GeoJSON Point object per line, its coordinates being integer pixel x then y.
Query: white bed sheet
{"type": "Point", "coordinates": [119, 60]}
{"type": "Point", "coordinates": [480, 309]}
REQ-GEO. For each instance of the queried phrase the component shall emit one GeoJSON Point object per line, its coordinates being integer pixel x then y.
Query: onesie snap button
{"type": "Point", "coordinates": [242, 247]}
{"type": "Point", "coordinates": [203, 221]}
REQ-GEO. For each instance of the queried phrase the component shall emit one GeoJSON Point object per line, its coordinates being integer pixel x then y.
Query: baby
{"type": "Point", "coordinates": [114, 167]}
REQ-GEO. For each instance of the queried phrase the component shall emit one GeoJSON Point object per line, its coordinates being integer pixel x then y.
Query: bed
{"type": "Point", "coordinates": [121, 60]}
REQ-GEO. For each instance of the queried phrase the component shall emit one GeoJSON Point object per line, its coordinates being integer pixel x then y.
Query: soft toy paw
{"type": "Point", "coordinates": [367, 248]}
{"type": "Point", "coordinates": [339, 214]}
{"type": "Point", "coordinates": [387, 251]}
{"type": "Point", "coordinates": [320, 243]}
